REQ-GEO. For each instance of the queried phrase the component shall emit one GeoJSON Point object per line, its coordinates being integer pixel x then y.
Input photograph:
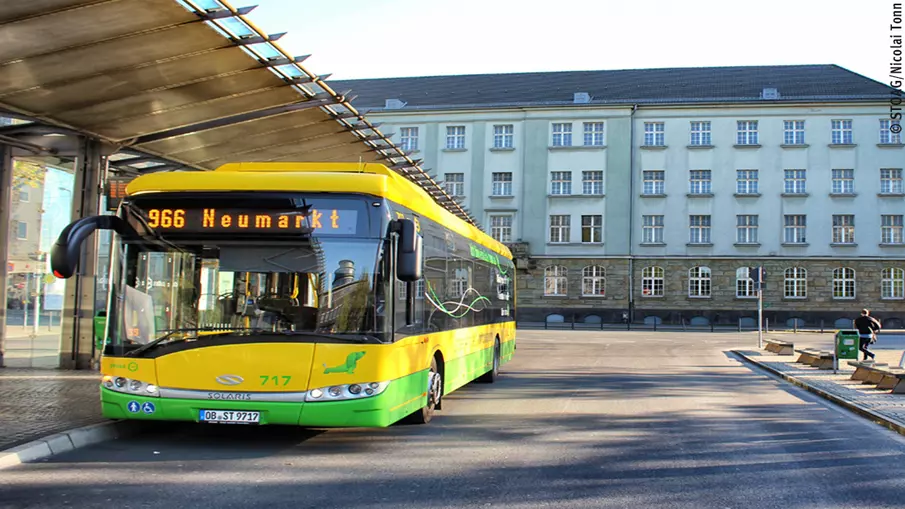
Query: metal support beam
{"type": "Point", "coordinates": [6, 185]}
{"type": "Point", "coordinates": [225, 13]}
{"type": "Point", "coordinates": [77, 347]}
{"type": "Point", "coordinates": [278, 61]}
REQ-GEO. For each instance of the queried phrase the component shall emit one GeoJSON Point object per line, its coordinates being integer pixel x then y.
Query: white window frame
{"type": "Point", "coordinates": [455, 137]}
{"type": "Point", "coordinates": [795, 283]}
{"type": "Point", "coordinates": [652, 281]}
{"type": "Point", "coordinates": [795, 181]}
{"type": "Point", "coordinates": [700, 134]}
{"type": "Point", "coordinates": [593, 278]}
{"type": "Point", "coordinates": [841, 132]}
{"type": "Point", "coordinates": [454, 184]}
{"type": "Point", "coordinates": [651, 184]}
{"type": "Point", "coordinates": [744, 285]}
{"type": "Point", "coordinates": [793, 132]}
{"type": "Point", "coordinates": [843, 181]}
{"type": "Point", "coordinates": [560, 228]}
{"type": "Point", "coordinates": [746, 182]}
{"type": "Point", "coordinates": [501, 227]}
{"type": "Point", "coordinates": [699, 182]}
{"type": "Point", "coordinates": [888, 137]}
{"type": "Point", "coordinates": [891, 181]}
{"type": "Point", "coordinates": [746, 228]}
{"type": "Point", "coordinates": [795, 229]}
{"type": "Point", "coordinates": [19, 230]}
{"type": "Point", "coordinates": [700, 282]}
{"type": "Point", "coordinates": [652, 229]}
{"type": "Point", "coordinates": [408, 139]}
{"type": "Point", "coordinates": [892, 283]}
{"type": "Point", "coordinates": [501, 183]}
{"type": "Point", "coordinates": [562, 134]}
{"type": "Point", "coordinates": [594, 134]}
{"type": "Point", "coordinates": [843, 228]}
{"type": "Point", "coordinates": [594, 227]}
{"type": "Point", "coordinates": [746, 132]}
{"type": "Point", "coordinates": [503, 135]}
{"type": "Point", "coordinates": [699, 229]}
{"type": "Point", "coordinates": [844, 283]}
{"type": "Point", "coordinates": [556, 281]}
{"type": "Point", "coordinates": [891, 229]}
{"type": "Point", "coordinates": [561, 182]}
{"type": "Point", "coordinates": [592, 182]}
{"type": "Point", "coordinates": [654, 134]}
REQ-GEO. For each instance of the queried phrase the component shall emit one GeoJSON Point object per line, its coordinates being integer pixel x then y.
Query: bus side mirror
{"type": "Point", "coordinates": [64, 254]}
{"type": "Point", "coordinates": [408, 251]}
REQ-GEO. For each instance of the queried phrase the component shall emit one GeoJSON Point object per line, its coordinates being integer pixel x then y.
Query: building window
{"type": "Point", "coordinates": [562, 135]}
{"type": "Point", "coordinates": [793, 132]}
{"type": "Point", "coordinates": [843, 229]}
{"type": "Point", "coordinates": [842, 132]}
{"type": "Point", "coordinates": [592, 182]}
{"type": "Point", "coordinates": [892, 283]}
{"type": "Point", "coordinates": [21, 230]}
{"type": "Point", "coordinates": [402, 289]}
{"type": "Point", "coordinates": [654, 181]}
{"type": "Point", "coordinates": [455, 136]}
{"type": "Point", "coordinates": [561, 182]}
{"type": "Point", "coordinates": [593, 281]}
{"type": "Point", "coordinates": [501, 228]}
{"type": "Point", "coordinates": [744, 286]}
{"type": "Point", "coordinates": [746, 181]}
{"type": "Point", "coordinates": [795, 182]}
{"type": "Point", "coordinates": [455, 184]}
{"type": "Point", "coordinates": [652, 229]}
{"type": "Point", "coordinates": [747, 132]}
{"type": "Point", "coordinates": [746, 229]}
{"type": "Point", "coordinates": [844, 181]}
{"type": "Point", "coordinates": [502, 183]}
{"type": "Point", "coordinates": [652, 281]}
{"type": "Point", "coordinates": [408, 139]}
{"type": "Point", "coordinates": [654, 134]}
{"type": "Point", "coordinates": [24, 196]}
{"type": "Point", "coordinates": [699, 282]}
{"type": "Point", "coordinates": [559, 228]}
{"type": "Point", "coordinates": [844, 283]}
{"type": "Point", "coordinates": [891, 229]}
{"type": "Point", "coordinates": [795, 283]}
{"type": "Point", "coordinates": [502, 136]}
{"type": "Point", "coordinates": [591, 229]}
{"type": "Point", "coordinates": [891, 181]}
{"type": "Point", "coordinates": [699, 182]}
{"type": "Point", "coordinates": [555, 280]}
{"type": "Point", "coordinates": [886, 135]}
{"type": "Point", "coordinates": [795, 229]}
{"type": "Point", "coordinates": [593, 134]}
{"type": "Point", "coordinates": [700, 133]}
{"type": "Point", "coordinates": [699, 229]}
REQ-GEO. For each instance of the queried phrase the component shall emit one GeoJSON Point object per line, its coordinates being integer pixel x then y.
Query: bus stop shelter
{"type": "Point", "coordinates": [110, 89]}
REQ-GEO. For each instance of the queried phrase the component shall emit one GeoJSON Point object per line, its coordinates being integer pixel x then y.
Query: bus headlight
{"type": "Point", "coordinates": [129, 386]}
{"type": "Point", "coordinates": [346, 392]}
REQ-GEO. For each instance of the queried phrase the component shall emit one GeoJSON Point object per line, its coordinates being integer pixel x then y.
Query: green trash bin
{"type": "Point", "coordinates": [847, 343]}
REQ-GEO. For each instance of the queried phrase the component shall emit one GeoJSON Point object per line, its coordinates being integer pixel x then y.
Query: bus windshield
{"type": "Point", "coordinates": [232, 285]}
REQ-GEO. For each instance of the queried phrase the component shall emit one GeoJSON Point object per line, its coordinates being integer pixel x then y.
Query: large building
{"type": "Point", "coordinates": [651, 192]}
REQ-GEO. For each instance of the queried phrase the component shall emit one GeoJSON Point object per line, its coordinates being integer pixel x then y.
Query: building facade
{"type": "Point", "coordinates": [622, 193]}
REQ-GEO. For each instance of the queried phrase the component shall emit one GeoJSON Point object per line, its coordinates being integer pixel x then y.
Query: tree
{"type": "Point", "coordinates": [27, 174]}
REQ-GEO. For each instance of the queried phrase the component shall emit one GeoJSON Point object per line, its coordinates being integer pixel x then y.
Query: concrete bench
{"type": "Point", "coordinates": [879, 374]}
{"type": "Point", "coordinates": [779, 347]}
{"type": "Point", "coordinates": [820, 359]}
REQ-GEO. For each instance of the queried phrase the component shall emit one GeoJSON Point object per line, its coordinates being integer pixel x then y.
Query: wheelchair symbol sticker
{"type": "Point", "coordinates": [148, 408]}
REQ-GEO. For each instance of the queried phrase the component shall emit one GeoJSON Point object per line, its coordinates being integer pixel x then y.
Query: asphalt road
{"type": "Point", "coordinates": [579, 420]}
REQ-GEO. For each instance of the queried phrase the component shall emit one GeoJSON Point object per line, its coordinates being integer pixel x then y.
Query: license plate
{"type": "Point", "coordinates": [230, 416]}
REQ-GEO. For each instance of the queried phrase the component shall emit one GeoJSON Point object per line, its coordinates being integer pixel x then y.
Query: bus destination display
{"type": "Point", "coordinates": [214, 220]}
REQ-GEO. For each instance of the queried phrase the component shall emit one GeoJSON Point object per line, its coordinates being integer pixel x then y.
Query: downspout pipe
{"type": "Point", "coordinates": [631, 216]}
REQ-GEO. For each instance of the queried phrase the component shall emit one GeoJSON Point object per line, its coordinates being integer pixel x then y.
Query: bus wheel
{"type": "Point", "coordinates": [494, 373]}
{"type": "Point", "coordinates": [434, 394]}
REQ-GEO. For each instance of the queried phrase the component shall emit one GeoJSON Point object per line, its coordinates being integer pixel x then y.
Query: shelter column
{"type": "Point", "coordinates": [6, 184]}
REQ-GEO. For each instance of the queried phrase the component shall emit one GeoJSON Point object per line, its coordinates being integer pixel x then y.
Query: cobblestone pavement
{"type": "Point", "coordinates": [35, 403]}
{"type": "Point", "coordinates": [867, 396]}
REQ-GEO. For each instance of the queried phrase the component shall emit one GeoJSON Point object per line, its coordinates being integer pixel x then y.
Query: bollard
{"type": "Point", "coordinates": [740, 324]}
{"type": "Point", "coordinates": [711, 326]}
{"type": "Point", "coordinates": [821, 325]}
{"type": "Point", "coordinates": [767, 324]}
{"type": "Point", "coordinates": [573, 321]}
{"type": "Point", "coordinates": [795, 327]}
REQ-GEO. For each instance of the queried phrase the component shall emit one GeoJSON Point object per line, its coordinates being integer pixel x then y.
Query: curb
{"type": "Point", "coordinates": [848, 405]}
{"type": "Point", "coordinates": [67, 441]}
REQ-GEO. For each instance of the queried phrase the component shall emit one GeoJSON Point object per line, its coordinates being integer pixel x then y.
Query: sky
{"type": "Point", "coordinates": [388, 38]}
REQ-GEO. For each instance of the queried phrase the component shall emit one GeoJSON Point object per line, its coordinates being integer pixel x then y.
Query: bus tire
{"type": "Point", "coordinates": [434, 395]}
{"type": "Point", "coordinates": [494, 373]}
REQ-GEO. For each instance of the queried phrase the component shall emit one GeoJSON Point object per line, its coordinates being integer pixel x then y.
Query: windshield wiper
{"type": "Point", "coordinates": [345, 338]}
{"type": "Point", "coordinates": [163, 340]}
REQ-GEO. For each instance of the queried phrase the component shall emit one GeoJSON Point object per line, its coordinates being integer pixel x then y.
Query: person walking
{"type": "Point", "coordinates": [867, 328]}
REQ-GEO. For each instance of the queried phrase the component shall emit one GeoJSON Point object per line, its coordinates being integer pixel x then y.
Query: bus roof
{"type": "Point", "coordinates": [366, 178]}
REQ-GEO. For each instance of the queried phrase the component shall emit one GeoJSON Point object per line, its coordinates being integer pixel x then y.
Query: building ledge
{"type": "Point", "coordinates": [842, 145]}
{"type": "Point", "coordinates": [576, 195]}
{"type": "Point", "coordinates": [794, 145]}
{"type": "Point", "coordinates": [746, 195]}
{"type": "Point", "coordinates": [747, 145]}
{"type": "Point", "coordinates": [843, 244]}
{"type": "Point", "coordinates": [900, 244]}
{"type": "Point", "coordinates": [795, 195]}
{"type": "Point", "coordinates": [653, 147]}
{"type": "Point", "coordinates": [699, 195]}
{"type": "Point", "coordinates": [699, 147]}
{"type": "Point", "coordinates": [652, 244]}
{"type": "Point", "coordinates": [563, 243]}
{"type": "Point", "coordinates": [699, 244]}
{"type": "Point", "coordinates": [795, 244]}
{"type": "Point", "coordinates": [656, 195]}
{"type": "Point", "coordinates": [746, 244]}
{"type": "Point", "coordinates": [576, 147]}
{"type": "Point", "coordinates": [501, 196]}
{"type": "Point", "coordinates": [455, 150]}
{"type": "Point", "coordinates": [891, 145]}
{"type": "Point", "coordinates": [843, 195]}
{"type": "Point", "coordinates": [502, 149]}
{"type": "Point", "coordinates": [891, 195]}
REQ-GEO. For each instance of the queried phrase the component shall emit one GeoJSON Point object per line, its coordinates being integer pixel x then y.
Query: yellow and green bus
{"type": "Point", "coordinates": [319, 295]}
